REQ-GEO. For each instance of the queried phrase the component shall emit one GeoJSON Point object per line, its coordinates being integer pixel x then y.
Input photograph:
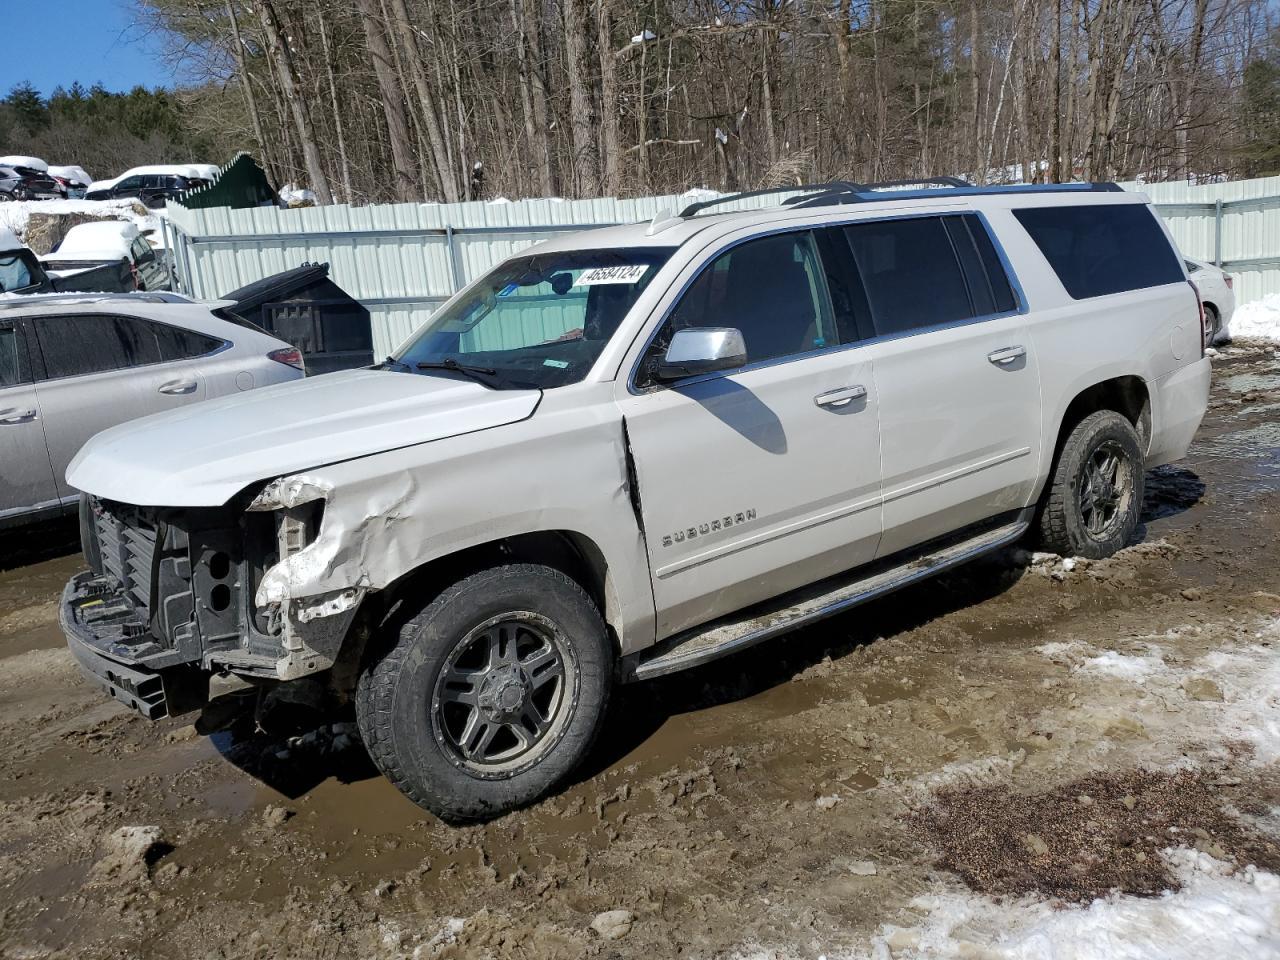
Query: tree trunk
{"type": "Point", "coordinates": [392, 100]}
{"type": "Point", "coordinates": [586, 156]}
{"type": "Point", "coordinates": [297, 106]}
{"type": "Point", "coordinates": [444, 173]}
{"type": "Point", "coordinates": [343, 161]}
{"type": "Point", "coordinates": [541, 145]}
{"type": "Point", "coordinates": [610, 135]}
{"type": "Point", "coordinates": [251, 101]}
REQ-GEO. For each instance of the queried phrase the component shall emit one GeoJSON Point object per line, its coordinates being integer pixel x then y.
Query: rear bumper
{"type": "Point", "coordinates": [105, 659]}
{"type": "Point", "coordinates": [1179, 403]}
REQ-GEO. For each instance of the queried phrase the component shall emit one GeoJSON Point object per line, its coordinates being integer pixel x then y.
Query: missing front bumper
{"type": "Point", "coordinates": [154, 693]}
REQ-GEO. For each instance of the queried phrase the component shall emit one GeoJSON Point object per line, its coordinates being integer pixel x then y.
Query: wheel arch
{"type": "Point", "coordinates": [1126, 394]}
{"type": "Point", "coordinates": [571, 552]}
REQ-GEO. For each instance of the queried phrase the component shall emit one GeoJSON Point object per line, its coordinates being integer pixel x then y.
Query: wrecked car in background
{"type": "Point", "coordinates": [88, 246]}
{"type": "Point", "coordinates": [630, 451]}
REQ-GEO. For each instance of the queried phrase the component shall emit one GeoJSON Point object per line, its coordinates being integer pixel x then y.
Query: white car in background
{"type": "Point", "coordinates": [1218, 295]}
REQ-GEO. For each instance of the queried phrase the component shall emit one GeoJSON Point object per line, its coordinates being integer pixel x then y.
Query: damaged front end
{"type": "Point", "coordinates": [174, 595]}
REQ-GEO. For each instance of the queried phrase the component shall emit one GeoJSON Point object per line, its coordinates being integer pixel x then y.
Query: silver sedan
{"type": "Point", "coordinates": [71, 366]}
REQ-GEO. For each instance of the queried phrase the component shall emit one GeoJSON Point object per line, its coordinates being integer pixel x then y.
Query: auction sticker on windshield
{"type": "Point", "coordinates": [594, 276]}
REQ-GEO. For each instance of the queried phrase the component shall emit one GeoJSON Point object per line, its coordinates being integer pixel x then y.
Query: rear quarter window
{"type": "Point", "coordinates": [1097, 249]}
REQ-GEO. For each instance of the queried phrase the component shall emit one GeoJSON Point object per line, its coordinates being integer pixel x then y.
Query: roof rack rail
{"type": "Point", "coordinates": [870, 194]}
{"type": "Point", "coordinates": [694, 208]}
{"type": "Point", "coordinates": [71, 297]}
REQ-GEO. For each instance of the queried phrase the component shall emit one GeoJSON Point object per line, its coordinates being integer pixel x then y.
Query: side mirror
{"type": "Point", "coordinates": [698, 350]}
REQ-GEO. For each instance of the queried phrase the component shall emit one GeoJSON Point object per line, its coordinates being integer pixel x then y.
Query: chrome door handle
{"type": "Point", "coordinates": [1006, 355]}
{"type": "Point", "coordinates": [14, 415]}
{"type": "Point", "coordinates": [841, 396]}
{"type": "Point", "coordinates": [178, 387]}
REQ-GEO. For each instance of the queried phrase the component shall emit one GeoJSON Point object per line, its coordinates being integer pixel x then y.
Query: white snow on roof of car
{"type": "Point", "coordinates": [71, 172]}
{"type": "Point", "coordinates": [198, 170]}
{"type": "Point", "coordinates": [101, 240]}
{"type": "Point", "coordinates": [34, 163]}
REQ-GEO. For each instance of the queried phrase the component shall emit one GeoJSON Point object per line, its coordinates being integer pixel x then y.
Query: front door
{"type": "Point", "coordinates": [26, 476]}
{"type": "Point", "coordinates": [760, 480]}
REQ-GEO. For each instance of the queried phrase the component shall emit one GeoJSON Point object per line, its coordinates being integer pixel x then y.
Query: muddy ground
{"type": "Point", "coordinates": [1028, 726]}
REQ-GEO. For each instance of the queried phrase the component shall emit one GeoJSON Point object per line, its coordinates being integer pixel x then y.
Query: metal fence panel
{"type": "Point", "coordinates": [403, 260]}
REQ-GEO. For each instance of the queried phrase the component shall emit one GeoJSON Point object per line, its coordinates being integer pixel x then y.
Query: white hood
{"type": "Point", "coordinates": [203, 454]}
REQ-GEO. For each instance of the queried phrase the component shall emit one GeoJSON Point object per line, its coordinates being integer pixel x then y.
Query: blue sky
{"type": "Point", "coordinates": [93, 41]}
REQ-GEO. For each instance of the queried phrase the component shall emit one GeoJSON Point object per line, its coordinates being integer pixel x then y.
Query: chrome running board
{"type": "Point", "coordinates": [809, 604]}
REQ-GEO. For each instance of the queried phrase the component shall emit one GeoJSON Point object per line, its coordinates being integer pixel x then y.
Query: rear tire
{"type": "Point", "coordinates": [491, 694]}
{"type": "Point", "coordinates": [1094, 497]}
{"type": "Point", "coordinates": [1214, 322]}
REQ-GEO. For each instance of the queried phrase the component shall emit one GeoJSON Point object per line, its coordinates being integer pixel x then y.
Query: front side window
{"type": "Point", "coordinates": [1097, 249]}
{"type": "Point", "coordinates": [539, 321]}
{"type": "Point", "coordinates": [773, 290]}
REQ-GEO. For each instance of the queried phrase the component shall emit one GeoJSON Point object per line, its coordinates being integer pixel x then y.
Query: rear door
{"type": "Point", "coordinates": [26, 475]}
{"type": "Point", "coordinates": [957, 379]}
{"type": "Point", "coordinates": [102, 370]}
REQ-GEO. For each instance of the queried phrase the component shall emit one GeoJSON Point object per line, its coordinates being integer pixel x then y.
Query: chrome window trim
{"type": "Point", "coordinates": [1020, 301]}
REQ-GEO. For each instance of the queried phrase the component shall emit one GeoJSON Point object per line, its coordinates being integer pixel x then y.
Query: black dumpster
{"type": "Point", "coordinates": [305, 308]}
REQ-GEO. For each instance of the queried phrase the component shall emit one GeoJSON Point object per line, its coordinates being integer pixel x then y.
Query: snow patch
{"type": "Point", "coordinates": [15, 216]}
{"type": "Point", "coordinates": [1219, 912]}
{"type": "Point", "coordinates": [1258, 319]}
{"type": "Point", "coordinates": [1125, 667]}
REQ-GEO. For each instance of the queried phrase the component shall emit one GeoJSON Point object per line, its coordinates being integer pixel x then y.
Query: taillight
{"type": "Point", "coordinates": [1229, 280]}
{"type": "Point", "coordinates": [290, 356]}
{"type": "Point", "coordinates": [1204, 321]}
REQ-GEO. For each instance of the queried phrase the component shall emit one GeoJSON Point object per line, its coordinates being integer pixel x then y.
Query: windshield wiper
{"type": "Point", "coordinates": [390, 362]}
{"type": "Point", "coordinates": [478, 374]}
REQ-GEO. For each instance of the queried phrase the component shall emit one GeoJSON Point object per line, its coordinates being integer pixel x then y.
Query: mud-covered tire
{"type": "Point", "coordinates": [406, 700]}
{"type": "Point", "coordinates": [1067, 525]}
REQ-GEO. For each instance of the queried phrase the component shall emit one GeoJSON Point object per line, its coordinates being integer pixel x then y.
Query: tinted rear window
{"type": "Point", "coordinates": [1097, 249]}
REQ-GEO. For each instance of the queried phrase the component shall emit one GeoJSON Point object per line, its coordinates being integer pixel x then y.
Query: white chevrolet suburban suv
{"type": "Point", "coordinates": [632, 450]}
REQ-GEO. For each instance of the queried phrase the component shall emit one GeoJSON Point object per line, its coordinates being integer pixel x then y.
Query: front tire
{"type": "Point", "coordinates": [1094, 498]}
{"type": "Point", "coordinates": [491, 694]}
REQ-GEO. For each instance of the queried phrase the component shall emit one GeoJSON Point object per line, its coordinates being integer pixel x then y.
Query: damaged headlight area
{"type": "Point", "coordinates": [222, 588]}
{"type": "Point", "coordinates": [311, 626]}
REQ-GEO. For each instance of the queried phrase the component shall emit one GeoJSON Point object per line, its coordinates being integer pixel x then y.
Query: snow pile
{"type": "Point", "coordinates": [1258, 318]}
{"type": "Point", "coordinates": [15, 216]}
{"type": "Point", "coordinates": [295, 196]}
{"type": "Point", "coordinates": [1219, 912]}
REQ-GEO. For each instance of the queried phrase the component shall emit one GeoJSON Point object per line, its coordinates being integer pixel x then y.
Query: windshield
{"type": "Point", "coordinates": [14, 274]}
{"type": "Point", "coordinates": [538, 321]}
